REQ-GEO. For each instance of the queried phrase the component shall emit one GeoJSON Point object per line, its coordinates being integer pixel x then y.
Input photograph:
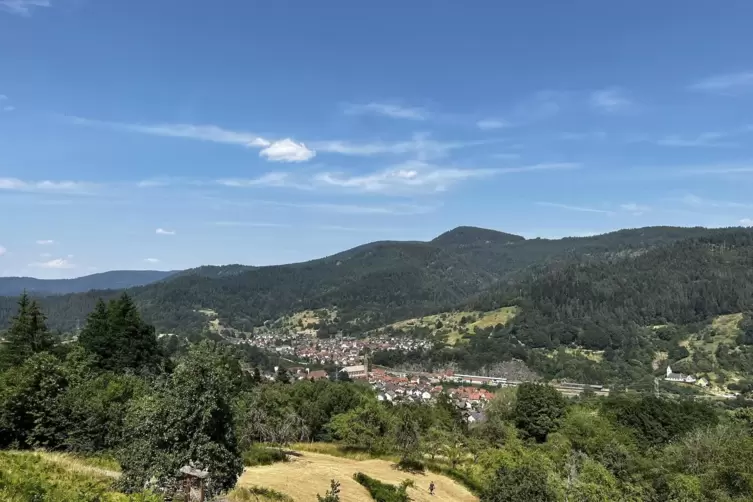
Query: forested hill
{"type": "Point", "coordinates": [371, 284]}
{"type": "Point", "coordinates": [116, 279]}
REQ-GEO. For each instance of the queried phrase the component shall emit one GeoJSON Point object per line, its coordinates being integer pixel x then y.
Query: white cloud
{"type": "Point", "coordinates": [3, 250]}
{"type": "Point", "coordinates": [581, 209]}
{"type": "Point", "coordinates": [635, 209]}
{"type": "Point", "coordinates": [45, 242]}
{"type": "Point", "coordinates": [16, 184]}
{"type": "Point", "coordinates": [287, 150]}
{"type": "Point", "coordinates": [490, 124]}
{"type": "Point", "coordinates": [730, 83]}
{"type": "Point", "coordinates": [57, 263]}
{"type": "Point", "coordinates": [746, 222]}
{"type": "Point", "coordinates": [151, 260]}
{"type": "Point", "coordinates": [610, 100]}
{"type": "Point", "coordinates": [22, 7]}
{"type": "Point", "coordinates": [162, 231]}
{"type": "Point", "coordinates": [387, 110]}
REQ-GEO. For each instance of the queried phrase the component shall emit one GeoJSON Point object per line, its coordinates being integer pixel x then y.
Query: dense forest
{"type": "Point", "coordinates": [371, 285]}
{"type": "Point", "coordinates": [120, 393]}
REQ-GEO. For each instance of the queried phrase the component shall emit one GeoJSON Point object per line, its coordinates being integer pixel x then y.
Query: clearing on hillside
{"type": "Point", "coordinates": [454, 326]}
{"type": "Point", "coordinates": [304, 477]}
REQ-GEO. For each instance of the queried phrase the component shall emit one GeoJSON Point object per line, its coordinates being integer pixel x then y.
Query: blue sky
{"type": "Point", "coordinates": [173, 133]}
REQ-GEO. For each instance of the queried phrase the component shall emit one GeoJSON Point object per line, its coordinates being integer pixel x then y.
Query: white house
{"type": "Point", "coordinates": [678, 377]}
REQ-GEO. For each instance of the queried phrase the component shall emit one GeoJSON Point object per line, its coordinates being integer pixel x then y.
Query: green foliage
{"type": "Point", "coordinates": [383, 492]}
{"type": "Point", "coordinates": [538, 410]}
{"type": "Point", "coordinates": [30, 478]}
{"type": "Point", "coordinates": [30, 409]}
{"type": "Point", "coordinates": [366, 427]}
{"type": "Point", "coordinates": [525, 481]}
{"type": "Point", "coordinates": [656, 421]}
{"type": "Point", "coordinates": [27, 335]}
{"type": "Point", "coordinates": [262, 455]}
{"type": "Point", "coordinates": [187, 420]}
{"type": "Point", "coordinates": [332, 495]}
{"type": "Point", "coordinates": [257, 494]}
{"type": "Point", "coordinates": [119, 339]}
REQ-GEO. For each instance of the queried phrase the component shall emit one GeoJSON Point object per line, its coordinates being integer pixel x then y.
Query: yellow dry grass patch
{"type": "Point", "coordinates": [302, 478]}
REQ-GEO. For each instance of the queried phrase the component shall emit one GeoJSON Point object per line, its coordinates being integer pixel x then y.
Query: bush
{"type": "Point", "coordinates": [383, 492]}
{"type": "Point", "coordinates": [256, 493]}
{"type": "Point", "coordinates": [261, 455]}
{"type": "Point", "coordinates": [411, 465]}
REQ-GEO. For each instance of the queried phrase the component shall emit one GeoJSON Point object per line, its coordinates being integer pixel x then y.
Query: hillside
{"type": "Point", "coordinates": [116, 279]}
{"type": "Point", "coordinates": [371, 285]}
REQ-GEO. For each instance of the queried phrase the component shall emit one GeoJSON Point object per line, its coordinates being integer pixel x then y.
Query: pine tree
{"type": "Point", "coordinates": [27, 334]}
{"type": "Point", "coordinates": [120, 339]}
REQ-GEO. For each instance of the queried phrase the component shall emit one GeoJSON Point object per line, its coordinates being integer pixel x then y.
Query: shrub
{"type": "Point", "coordinates": [383, 492]}
{"type": "Point", "coordinates": [410, 465]}
{"type": "Point", "coordinates": [261, 455]}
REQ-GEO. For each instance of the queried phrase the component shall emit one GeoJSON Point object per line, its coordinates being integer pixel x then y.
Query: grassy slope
{"type": "Point", "coordinates": [452, 328]}
{"type": "Point", "coordinates": [724, 329]}
{"type": "Point", "coordinates": [48, 477]}
{"type": "Point", "coordinates": [302, 478]}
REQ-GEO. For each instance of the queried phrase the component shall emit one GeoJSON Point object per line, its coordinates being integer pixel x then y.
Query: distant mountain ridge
{"type": "Point", "coordinates": [371, 285]}
{"type": "Point", "coordinates": [115, 279]}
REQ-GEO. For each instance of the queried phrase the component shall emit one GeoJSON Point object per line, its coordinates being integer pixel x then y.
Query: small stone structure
{"type": "Point", "coordinates": [193, 483]}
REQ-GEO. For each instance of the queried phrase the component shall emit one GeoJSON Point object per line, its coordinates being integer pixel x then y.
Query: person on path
{"type": "Point", "coordinates": [431, 488]}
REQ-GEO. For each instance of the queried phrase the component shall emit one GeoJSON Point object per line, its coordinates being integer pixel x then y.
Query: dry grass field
{"type": "Point", "coordinates": [302, 478]}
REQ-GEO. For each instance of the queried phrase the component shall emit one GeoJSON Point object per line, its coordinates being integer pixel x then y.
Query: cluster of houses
{"type": "Point", "coordinates": [341, 351]}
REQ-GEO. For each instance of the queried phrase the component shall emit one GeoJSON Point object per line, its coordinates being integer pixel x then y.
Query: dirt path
{"type": "Point", "coordinates": [302, 478]}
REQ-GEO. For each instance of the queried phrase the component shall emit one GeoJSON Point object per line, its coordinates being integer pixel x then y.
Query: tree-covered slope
{"type": "Point", "coordinates": [116, 279]}
{"type": "Point", "coordinates": [371, 285]}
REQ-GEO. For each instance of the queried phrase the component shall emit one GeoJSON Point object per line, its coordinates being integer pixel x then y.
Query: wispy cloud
{"type": "Point", "coordinates": [581, 136]}
{"type": "Point", "coordinates": [282, 150]}
{"type": "Point", "coordinates": [22, 7]}
{"type": "Point", "coordinates": [491, 124]}
{"type": "Point", "coordinates": [580, 209]}
{"type": "Point", "coordinates": [3, 250]}
{"type": "Point", "coordinates": [696, 201]}
{"type": "Point", "coordinates": [387, 110]}
{"type": "Point", "coordinates": [730, 83]}
{"type": "Point", "coordinates": [417, 176]}
{"type": "Point", "coordinates": [635, 209]}
{"type": "Point", "coordinates": [402, 179]}
{"type": "Point", "coordinates": [259, 224]}
{"type": "Point", "coordinates": [272, 179]}
{"type": "Point", "coordinates": [386, 209]}
{"type": "Point", "coordinates": [45, 242]}
{"type": "Point", "coordinates": [57, 263]}
{"type": "Point", "coordinates": [746, 222]}
{"type": "Point", "coordinates": [162, 231]}
{"type": "Point", "coordinates": [9, 108]}
{"type": "Point", "coordinates": [15, 184]}
{"type": "Point", "coordinates": [707, 139]}
{"type": "Point", "coordinates": [151, 260]}
{"type": "Point", "coordinates": [422, 146]}
{"type": "Point", "coordinates": [610, 100]}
